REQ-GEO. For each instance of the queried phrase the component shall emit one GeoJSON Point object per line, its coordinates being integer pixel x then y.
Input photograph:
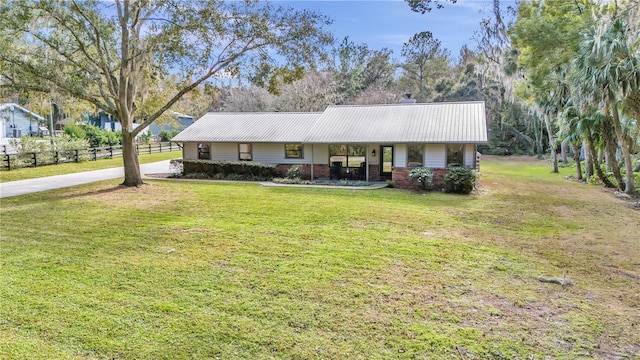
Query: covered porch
{"type": "Point", "coordinates": [361, 162]}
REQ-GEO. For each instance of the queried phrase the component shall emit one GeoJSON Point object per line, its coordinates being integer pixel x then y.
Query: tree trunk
{"type": "Point", "coordinates": [626, 145]}
{"type": "Point", "coordinates": [588, 163]}
{"type": "Point", "coordinates": [611, 146]}
{"type": "Point", "coordinates": [563, 152]}
{"type": "Point", "coordinates": [552, 143]}
{"type": "Point", "coordinates": [596, 164]}
{"type": "Point", "coordinates": [576, 159]}
{"type": "Point", "coordinates": [132, 176]}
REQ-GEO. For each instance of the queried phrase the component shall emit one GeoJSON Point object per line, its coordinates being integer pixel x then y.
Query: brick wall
{"type": "Point", "coordinates": [400, 177]}
{"type": "Point", "coordinates": [374, 172]}
{"type": "Point", "coordinates": [319, 171]}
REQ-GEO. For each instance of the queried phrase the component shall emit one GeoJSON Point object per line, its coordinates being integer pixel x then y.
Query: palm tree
{"type": "Point", "coordinates": [584, 126]}
{"type": "Point", "coordinates": [609, 72]}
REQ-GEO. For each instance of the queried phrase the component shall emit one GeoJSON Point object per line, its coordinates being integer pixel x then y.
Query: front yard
{"type": "Point", "coordinates": [178, 270]}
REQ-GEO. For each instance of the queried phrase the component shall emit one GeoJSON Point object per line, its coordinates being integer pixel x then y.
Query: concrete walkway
{"type": "Point", "coordinates": [21, 187]}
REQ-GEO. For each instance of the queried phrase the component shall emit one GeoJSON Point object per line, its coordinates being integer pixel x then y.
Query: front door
{"type": "Point", "coordinates": [386, 161]}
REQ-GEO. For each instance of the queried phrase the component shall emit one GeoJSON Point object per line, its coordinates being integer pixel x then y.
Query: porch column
{"type": "Point", "coordinates": [311, 162]}
{"type": "Point", "coordinates": [368, 163]}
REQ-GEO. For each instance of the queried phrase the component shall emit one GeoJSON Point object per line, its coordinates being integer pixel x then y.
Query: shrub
{"type": "Point", "coordinates": [294, 172]}
{"type": "Point", "coordinates": [146, 136]}
{"type": "Point", "coordinates": [175, 168]}
{"type": "Point", "coordinates": [113, 137]}
{"type": "Point", "coordinates": [46, 149]}
{"type": "Point", "coordinates": [74, 131]}
{"type": "Point", "coordinates": [460, 180]}
{"type": "Point", "coordinates": [248, 169]}
{"type": "Point", "coordinates": [167, 135]}
{"type": "Point", "coordinates": [95, 135]}
{"type": "Point", "coordinates": [423, 176]}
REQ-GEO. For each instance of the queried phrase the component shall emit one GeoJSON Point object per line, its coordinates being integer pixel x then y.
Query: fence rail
{"type": "Point", "coordinates": [34, 159]}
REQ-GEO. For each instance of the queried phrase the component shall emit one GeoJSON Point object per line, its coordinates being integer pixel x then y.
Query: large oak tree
{"type": "Point", "coordinates": [105, 52]}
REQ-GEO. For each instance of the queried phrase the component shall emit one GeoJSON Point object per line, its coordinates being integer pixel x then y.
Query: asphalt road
{"type": "Point", "coordinates": [22, 187]}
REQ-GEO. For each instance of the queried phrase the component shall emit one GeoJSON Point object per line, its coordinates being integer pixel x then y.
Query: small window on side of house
{"type": "Point", "coordinates": [203, 152]}
{"type": "Point", "coordinates": [415, 156]}
{"type": "Point", "coordinates": [455, 155]}
{"type": "Point", "coordinates": [294, 151]}
{"type": "Point", "coordinates": [245, 152]}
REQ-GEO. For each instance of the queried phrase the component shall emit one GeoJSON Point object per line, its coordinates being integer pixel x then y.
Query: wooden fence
{"type": "Point", "coordinates": [34, 159]}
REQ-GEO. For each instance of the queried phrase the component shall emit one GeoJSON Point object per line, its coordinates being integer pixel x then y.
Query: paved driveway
{"type": "Point", "coordinates": [21, 187]}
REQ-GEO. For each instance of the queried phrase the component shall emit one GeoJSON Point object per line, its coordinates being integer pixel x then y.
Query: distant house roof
{"type": "Point", "coordinates": [9, 106]}
{"type": "Point", "coordinates": [249, 127]}
{"type": "Point", "coordinates": [459, 122]}
{"type": "Point", "coordinates": [180, 115]}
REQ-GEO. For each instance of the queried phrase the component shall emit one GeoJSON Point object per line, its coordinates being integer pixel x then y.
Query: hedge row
{"type": "Point", "coordinates": [230, 168]}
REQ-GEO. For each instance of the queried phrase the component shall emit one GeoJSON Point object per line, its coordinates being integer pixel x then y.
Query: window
{"type": "Point", "coordinates": [293, 151]}
{"type": "Point", "coordinates": [348, 155]}
{"type": "Point", "coordinates": [415, 157]}
{"type": "Point", "coordinates": [203, 152]}
{"type": "Point", "coordinates": [245, 152]}
{"type": "Point", "coordinates": [455, 155]}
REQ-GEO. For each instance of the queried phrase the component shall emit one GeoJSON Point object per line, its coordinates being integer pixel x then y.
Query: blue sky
{"type": "Point", "coordinates": [390, 23]}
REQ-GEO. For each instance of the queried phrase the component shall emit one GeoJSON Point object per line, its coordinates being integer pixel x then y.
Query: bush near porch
{"type": "Point", "coordinates": [231, 169]}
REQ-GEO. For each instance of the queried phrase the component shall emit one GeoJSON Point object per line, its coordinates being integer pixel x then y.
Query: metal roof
{"type": "Point", "coordinates": [455, 122]}
{"type": "Point", "coordinates": [13, 106]}
{"type": "Point", "coordinates": [265, 127]}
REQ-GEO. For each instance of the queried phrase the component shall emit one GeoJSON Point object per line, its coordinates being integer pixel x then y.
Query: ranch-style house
{"type": "Point", "coordinates": [363, 142]}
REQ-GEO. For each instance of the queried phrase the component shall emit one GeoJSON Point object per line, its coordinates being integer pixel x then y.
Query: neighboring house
{"type": "Point", "coordinates": [366, 142]}
{"type": "Point", "coordinates": [104, 121]}
{"type": "Point", "coordinates": [16, 121]}
{"type": "Point", "coordinates": [179, 122]}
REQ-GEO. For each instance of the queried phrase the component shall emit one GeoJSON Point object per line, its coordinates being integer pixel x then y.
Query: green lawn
{"type": "Point", "coordinates": [68, 168]}
{"type": "Point", "coordinates": [185, 270]}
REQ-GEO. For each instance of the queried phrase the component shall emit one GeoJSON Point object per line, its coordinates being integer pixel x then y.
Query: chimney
{"type": "Point", "coordinates": [407, 99]}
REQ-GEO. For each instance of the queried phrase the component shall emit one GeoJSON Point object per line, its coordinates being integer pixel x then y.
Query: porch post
{"type": "Point", "coordinates": [311, 162]}
{"type": "Point", "coordinates": [368, 163]}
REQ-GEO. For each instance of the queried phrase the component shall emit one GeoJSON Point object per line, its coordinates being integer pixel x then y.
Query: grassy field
{"type": "Point", "coordinates": [186, 270]}
{"type": "Point", "coordinates": [68, 168]}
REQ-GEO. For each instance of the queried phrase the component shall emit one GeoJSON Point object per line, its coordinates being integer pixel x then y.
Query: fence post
{"type": "Point", "coordinates": [56, 157]}
{"type": "Point", "coordinates": [35, 160]}
{"type": "Point", "coordinates": [77, 156]}
{"type": "Point", "coordinates": [160, 146]}
{"type": "Point", "coordinates": [95, 154]}
{"type": "Point", "coordinates": [149, 148]}
{"type": "Point", "coordinates": [8, 160]}
{"type": "Point", "coordinates": [137, 149]}
{"type": "Point", "coordinates": [110, 151]}
{"type": "Point", "coordinates": [170, 149]}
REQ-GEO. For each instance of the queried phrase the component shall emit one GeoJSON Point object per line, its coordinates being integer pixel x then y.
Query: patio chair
{"type": "Point", "coordinates": [336, 170]}
{"type": "Point", "coordinates": [362, 171]}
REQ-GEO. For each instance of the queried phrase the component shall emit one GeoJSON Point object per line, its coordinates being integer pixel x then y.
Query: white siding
{"type": "Point", "coordinates": [274, 154]}
{"type": "Point", "coordinates": [320, 153]}
{"type": "Point", "coordinates": [370, 158]}
{"type": "Point", "coordinates": [435, 156]}
{"type": "Point", "coordinates": [469, 156]}
{"type": "Point", "coordinates": [224, 151]}
{"type": "Point", "coordinates": [400, 155]}
{"type": "Point", "coordinates": [190, 151]}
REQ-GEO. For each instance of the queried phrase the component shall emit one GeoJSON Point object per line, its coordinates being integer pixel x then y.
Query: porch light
{"type": "Point", "coordinates": [373, 152]}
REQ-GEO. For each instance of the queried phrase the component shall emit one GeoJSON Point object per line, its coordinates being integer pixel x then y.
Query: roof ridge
{"type": "Point", "coordinates": [262, 112]}
{"type": "Point", "coordinates": [412, 104]}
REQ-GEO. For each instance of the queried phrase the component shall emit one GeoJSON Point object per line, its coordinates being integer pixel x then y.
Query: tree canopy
{"type": "Point", "coordinates": [105, 53]}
